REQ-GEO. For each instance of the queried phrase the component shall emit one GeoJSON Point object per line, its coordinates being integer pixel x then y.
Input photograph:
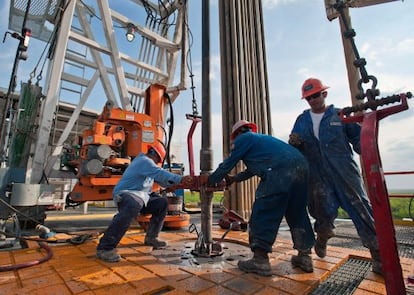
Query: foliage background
{"type": "Point", "coordinates": [400, 207]}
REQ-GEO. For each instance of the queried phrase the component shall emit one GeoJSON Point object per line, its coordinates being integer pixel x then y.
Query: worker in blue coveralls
{"type": "Point", "coordinates": [282, 192]}
{"type": "Point", "coordinates": [133, 195]}
{"type": "Point", "coordinates": [335, 180]}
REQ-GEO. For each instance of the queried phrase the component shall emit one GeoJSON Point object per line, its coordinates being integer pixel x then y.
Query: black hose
{"type": "Point", "coordinates": [170, 131]}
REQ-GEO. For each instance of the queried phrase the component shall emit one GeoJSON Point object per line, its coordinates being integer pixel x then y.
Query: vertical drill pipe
{"type": "Point", "coordinates": [206, 152]}
{"type": "Point", "coordinates": [244, 83]}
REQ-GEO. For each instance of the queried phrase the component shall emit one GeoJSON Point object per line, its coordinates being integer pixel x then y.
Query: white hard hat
{"type": "Point", "coordinates": [239, 124]}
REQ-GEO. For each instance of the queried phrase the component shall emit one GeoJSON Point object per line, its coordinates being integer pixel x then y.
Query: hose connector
{"type": "Point", "coordinates": [45, 232]}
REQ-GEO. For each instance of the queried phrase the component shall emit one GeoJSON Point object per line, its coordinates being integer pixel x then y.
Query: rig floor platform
{"type": "Point", "coordinates": [72, 268]}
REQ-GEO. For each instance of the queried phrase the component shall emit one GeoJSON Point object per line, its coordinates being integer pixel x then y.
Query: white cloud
{"type": "Point", "coordinates": [215, 67]}
{"type": "Point", "coordinates": [405, 46]}
{"type": "Point", "coordinates": [300, 42]}
{"type": "Point", "coordinates": [270, 4]}
{"type": "Point", "coordinates": [6, 52]}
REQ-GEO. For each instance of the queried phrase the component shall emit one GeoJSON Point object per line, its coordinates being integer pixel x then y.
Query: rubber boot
{"type": "Point", "coordinates": [154, 242]}
{"type": "Point", "coordinates": [321, 243]}
{"type": "Point", "coordinates": [153, 229]}
{"type": "Point", "coordinates": [303, 260]}
{"type": "Point", "coordinates": [376, 261]}
{"type": "Point", "coordinates": [259, 264]}
{"type": "Point", "coordinates": [108, 255]}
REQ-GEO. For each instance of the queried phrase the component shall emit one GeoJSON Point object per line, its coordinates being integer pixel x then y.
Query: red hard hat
{"type": "Point", "coordinates": [312, 86]}
{"type": "Point", "coordinates": [239, 124]}
{"type": "Point", "coordinates": [159, 148]}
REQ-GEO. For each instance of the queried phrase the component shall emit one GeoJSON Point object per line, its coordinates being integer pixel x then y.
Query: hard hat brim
{"type": "Point", "coordinates": [318, 90]}
{"type": "Point", "coordinates": [250, 125]}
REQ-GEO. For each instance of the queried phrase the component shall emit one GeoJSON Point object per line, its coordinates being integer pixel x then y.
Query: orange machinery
{"type": "Point", "coordinates": [117, 136]}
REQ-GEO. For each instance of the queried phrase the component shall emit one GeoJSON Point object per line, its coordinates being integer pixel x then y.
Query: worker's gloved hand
{"type": "Point", "coordinates": [187, 181]}
{"type": "Point", "coordinates": [295, 140]}
{"type": "Point", "coordinates": [171, 188]}
{"type": "Point", "coordinates": [203, 179]}
{"type": "Point", "coordinates": [229, 179]}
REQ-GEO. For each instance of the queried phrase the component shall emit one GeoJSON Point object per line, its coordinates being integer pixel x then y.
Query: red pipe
{"type": "Point", "coordinates": [398, 172]}
{"type": "Point", "coordinates": [401, 195]}
{"type": "Point", "coordinates": [378, 195]}
{"type": "Point", "coordinates": [408, 195]}
{"type": "Point", "coordinates": [194, 120]}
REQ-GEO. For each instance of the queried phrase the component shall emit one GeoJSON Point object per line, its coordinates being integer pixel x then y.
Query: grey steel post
{"type": "Point", "coordinates": [206, 154]}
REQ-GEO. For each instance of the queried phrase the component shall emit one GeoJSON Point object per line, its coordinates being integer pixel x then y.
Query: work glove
{"type": "Point", "coordinates": [295, 140]}
{"type": "Point", "coordinates": [229, 179]}
{"type": "Point", "coordinates": [187, 181]}
{"type": "Point", "coordinates": [203, 179]}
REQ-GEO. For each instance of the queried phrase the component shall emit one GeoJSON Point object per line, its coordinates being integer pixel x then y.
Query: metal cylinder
{"type": "Point", "coordinates": [100, 152]}
{"type": "Point", "coordinates": [175, 204]}
{"type": "Point", "coordinates": [93, 166]}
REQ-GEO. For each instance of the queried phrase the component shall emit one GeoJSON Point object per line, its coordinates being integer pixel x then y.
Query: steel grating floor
{"type": "Point", "coordinates": [346, 279]}
{"type": "Point", "coordinates": [346, 236]}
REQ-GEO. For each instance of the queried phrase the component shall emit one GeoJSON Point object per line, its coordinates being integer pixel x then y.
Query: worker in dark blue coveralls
{"type": "Point", "coordinates": [335, 180]}
{"type": "Point", "coordinates": [282, 192]}
{"type": "Point", "coordinates": [133, 195]}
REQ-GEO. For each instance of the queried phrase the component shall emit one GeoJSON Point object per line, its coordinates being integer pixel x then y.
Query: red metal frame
{"type": "Point", "coordinates": [378, 194]}
{"type": "Point", "coordinates": [196, 185]}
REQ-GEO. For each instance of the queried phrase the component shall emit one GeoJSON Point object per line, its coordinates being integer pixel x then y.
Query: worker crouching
{"type": "Point", "coordinates": [133, 195]}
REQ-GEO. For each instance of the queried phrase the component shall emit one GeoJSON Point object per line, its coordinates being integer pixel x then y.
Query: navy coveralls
{"type": "Point", "coordinates": [335, 179]}
{"type": "Point", "coordinates": [282, 190]}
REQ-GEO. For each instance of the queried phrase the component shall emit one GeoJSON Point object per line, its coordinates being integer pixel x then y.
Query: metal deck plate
{"type": "Point", "coordinates": [180, 253]}
{"type": "Point", "coordinates": [346, 236]}
{"type": "Point", "coordinates": [345, 279]}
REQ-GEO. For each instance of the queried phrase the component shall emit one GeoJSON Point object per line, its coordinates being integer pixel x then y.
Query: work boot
{"type": "Point", "coordinates": [303, 261]}
{"type": "Point", "coordinates": [155, 243]}
{"type": "Point", "coordinates": [108, 255]}
{"type": "Point", "coordinates": [260, 266]}
{"type": "Point", "coordinates": [321, 242]}
{"type": "Point", "coordinates": [376, 261]}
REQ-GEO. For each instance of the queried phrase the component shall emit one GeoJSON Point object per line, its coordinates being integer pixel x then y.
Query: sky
{"type": "Point", "coordinates": [300, 43]}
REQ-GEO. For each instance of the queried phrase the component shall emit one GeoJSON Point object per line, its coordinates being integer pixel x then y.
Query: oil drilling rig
{"type": "Point", "coordinates": [132, 65]}
{"type": "Point", "coordinates": [126, 65]}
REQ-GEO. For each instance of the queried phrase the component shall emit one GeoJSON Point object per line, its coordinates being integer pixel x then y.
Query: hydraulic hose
{"type": "Point", "coordinates": [44, 246]}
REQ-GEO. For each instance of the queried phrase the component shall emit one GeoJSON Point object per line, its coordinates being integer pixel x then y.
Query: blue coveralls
{"type": "Point", "coordinates": [335, 179]}
{"type": "Point", "coordinates": [282, 190]}
{"type": "Point", "coordinates": [129, 195]}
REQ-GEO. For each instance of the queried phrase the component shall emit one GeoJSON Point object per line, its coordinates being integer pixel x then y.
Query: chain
{"type": "Point", "coordinates": [359, 62]}
{"type": "Point", "coordinates": [194, 101]}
